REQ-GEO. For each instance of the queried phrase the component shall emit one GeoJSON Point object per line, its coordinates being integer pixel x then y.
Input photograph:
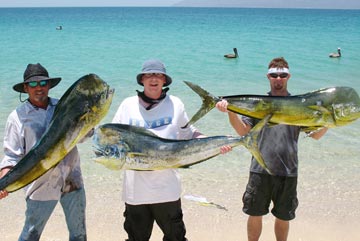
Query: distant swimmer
{"type": "Point", "coordinates": [335, 55]}
{"type": "Point", "coordinates": [59, 27]}
{"type": "Point", "coordinates": [232, 56]}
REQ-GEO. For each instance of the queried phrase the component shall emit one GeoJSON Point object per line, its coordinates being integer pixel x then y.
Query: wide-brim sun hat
{"type": "Point", "coordinates": [36, 72]}
{"type": "Point", "coordinates": [154, 66]}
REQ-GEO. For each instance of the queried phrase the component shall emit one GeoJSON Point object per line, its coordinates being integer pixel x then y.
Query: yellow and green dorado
{"type": "Point", "coordinates": [78, 111]}
{"type": "Point", "coordinates": [119, 146]}
{"type": "Point", "coordinates": [329, 107]}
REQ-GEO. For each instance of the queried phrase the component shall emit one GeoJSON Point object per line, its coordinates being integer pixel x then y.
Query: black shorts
{"type": "Point", "coordinates": [262, 189]}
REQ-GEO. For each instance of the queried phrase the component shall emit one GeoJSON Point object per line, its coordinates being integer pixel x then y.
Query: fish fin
{"type": "Point", "coordinates": [251, 142]}
{"type": "Point", "coordinates": [135, 154]}
{"type": "Point", "coordinates": [112, 164]}
{"type": "Point", "coordinates": [320, 108]}
{"type": "Point", "coordinates": [208, 102]}
{"type": "Point", "coordinates": [309, 132]}
{"type": "Point", "coordinates": [308, 129]}
{"type": "Point", "coordinates": [130, 128]}
{"type": "Point", "coordinates": [186, 167]}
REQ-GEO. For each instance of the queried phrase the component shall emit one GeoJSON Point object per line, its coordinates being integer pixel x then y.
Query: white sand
{"type": "Point", "coordinates": [323, 215]}
{"type": "Point", "coordinates": [328, 192]}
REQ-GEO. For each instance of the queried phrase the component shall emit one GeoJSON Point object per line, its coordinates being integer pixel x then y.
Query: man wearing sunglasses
{"type": "Point", "coordinates": [278, 145]}
{"type": "Point", "coordinates": [64, 183]}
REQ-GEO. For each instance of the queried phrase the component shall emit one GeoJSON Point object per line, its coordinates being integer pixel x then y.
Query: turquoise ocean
{"type": "Point", "coordinates": [114, 42]}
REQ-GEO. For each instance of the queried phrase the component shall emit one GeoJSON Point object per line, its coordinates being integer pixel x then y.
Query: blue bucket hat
{"type": "Point", "coordinates": [153, 66]}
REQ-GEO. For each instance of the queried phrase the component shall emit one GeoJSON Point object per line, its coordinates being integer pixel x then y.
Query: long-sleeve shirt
{"type": "Point", "coordinates": [24, 128]}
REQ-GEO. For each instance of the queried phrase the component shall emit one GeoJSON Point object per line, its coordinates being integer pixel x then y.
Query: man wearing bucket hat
{"type": "Point", "coordinates": [25, 126]}
{"type": "Point", "coordinates": [154, 195]}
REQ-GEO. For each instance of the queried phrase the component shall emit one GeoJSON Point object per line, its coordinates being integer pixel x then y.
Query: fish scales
{"type": "Point", "coordinates": [328, 107]}
{"type": "Point", "coordinates": [120, 146]}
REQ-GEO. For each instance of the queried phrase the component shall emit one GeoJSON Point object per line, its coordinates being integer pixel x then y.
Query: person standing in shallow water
{"type": "Point", "coordinates": [279, 147]}
{"type": "Point", "coordinates": [24, 127]}
{"type": "Point", "coordinates": [155, 195]}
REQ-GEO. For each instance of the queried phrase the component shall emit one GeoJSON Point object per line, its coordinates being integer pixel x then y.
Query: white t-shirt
{"type": "Point", "coordinates": [165, 120]}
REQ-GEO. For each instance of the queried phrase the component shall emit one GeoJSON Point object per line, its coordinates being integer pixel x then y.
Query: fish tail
{"type": "Point", "coordinates": [208, 102]}
{"type": "Point", "coordinates": [251, 142]}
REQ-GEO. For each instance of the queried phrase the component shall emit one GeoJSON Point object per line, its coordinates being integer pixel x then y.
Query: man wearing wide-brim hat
{"type": "Point", "coordinates": [35, 72]}
{"type": "Point", "coordinates": [24, 128]}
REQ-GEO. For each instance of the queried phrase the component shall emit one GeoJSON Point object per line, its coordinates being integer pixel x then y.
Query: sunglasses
{"type": "Point", "coordinates": [281, 75]}
{"type": "Point", "coordinates": [153, 74]}
{"type": "Point", "coordinates": [42, 83]}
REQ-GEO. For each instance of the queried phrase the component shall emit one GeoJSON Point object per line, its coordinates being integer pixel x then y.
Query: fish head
{"type": "Point", "coordinates": [94, 97]}
{"type": "Point", "coordinates": [110, 156]}
{"type": "Point", "coordinates": [346, 107]}
{"type": "Point", "coordinates": [109, 148]}
{"type": "Point", "coordinates": [346, 113]}
{"type": "Point", "coordinates": [98, 95]}
{"type": "Point", "coordinates": [84, 104]}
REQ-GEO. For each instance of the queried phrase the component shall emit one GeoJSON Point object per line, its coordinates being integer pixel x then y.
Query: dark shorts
{"type": "Point", "coordinates": [139, 221]}
{"type": "Point", "coordinates": [262, 189]}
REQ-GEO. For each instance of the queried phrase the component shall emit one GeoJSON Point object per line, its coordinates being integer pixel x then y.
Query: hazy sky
{"type": "Point", "coordinates": [206, 3]}
{"type": "Point", "coordinates": [55, 3]}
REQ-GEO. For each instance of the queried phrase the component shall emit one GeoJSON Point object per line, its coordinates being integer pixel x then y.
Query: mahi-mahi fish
{"type": "Point", "coordinates": [328, 107]}
{"type": "Point", "coordinates": [119, 146]}
{"type": "Point", "coordinates": [78, 111]}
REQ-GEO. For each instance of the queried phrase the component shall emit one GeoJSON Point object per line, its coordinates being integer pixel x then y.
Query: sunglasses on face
{"type": "Point", "coordinates": [153, 74]}
{"type": "Point", "coordinates": [281, 75]}
{"type": "Point", "coordinates": [42, 83]}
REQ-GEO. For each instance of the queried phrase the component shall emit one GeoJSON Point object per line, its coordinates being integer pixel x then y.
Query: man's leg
{"type": "Point", "coordinates": [36, 215]}
{"type": "Point", "coordinates": [138, 222]}
{"type": "Point", "coordinates": [281, 229]}
{"type": "Point", "coordinates": [169, 217]}
{"type": "Point", "coordinates": [254, 228]}
{"type": "Point", "coordinates": [74, 204]}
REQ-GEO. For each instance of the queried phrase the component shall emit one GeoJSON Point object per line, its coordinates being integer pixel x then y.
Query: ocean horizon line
{"type": "Point", "coordinates": [198, 7]}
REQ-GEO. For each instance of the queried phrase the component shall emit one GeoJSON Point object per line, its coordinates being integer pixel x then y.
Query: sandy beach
{"type": "Point", "coordinates": [325, 213]}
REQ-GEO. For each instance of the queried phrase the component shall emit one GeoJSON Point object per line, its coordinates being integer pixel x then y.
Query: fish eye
{"type": "Point", "coordinates": [107, 150]}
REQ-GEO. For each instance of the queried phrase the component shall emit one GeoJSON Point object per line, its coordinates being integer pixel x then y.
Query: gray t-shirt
{"type": "Point", "coordinates": [278, 145]}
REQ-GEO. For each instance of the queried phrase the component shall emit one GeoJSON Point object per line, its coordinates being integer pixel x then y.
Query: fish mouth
{"type": "Point", "coordinates": [110, 93]}
{"type": "Point", "coordinates": [98, 152]}
{"type": "Point", "coordinates": [107, 152]}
